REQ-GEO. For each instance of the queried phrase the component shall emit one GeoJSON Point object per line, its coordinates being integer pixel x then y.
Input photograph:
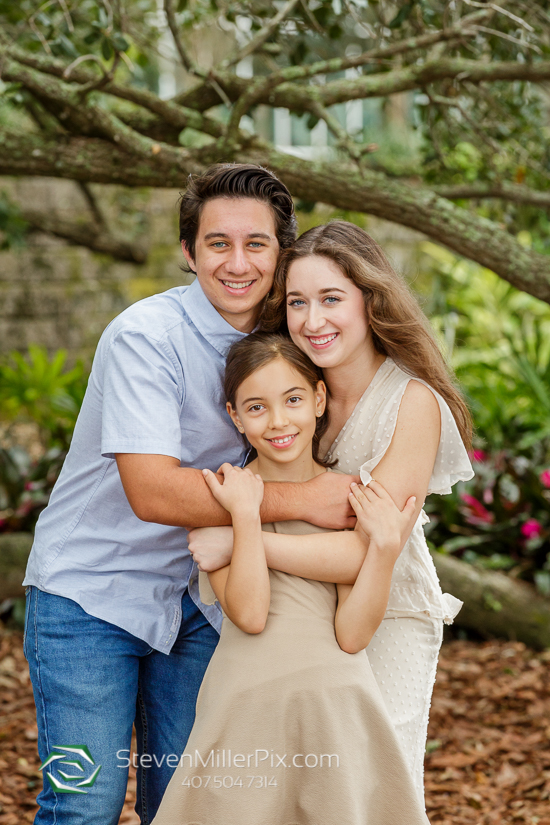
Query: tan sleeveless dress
{"type": "Point", "coordinates": [290, 729]}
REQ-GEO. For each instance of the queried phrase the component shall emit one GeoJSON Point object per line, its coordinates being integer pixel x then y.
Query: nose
{"type": "Point", "coordinates": [315, 320]}
{"type": "Point", "coordinates": [238, 263]}
{"type": "Point", "coordinates": [278, 419]}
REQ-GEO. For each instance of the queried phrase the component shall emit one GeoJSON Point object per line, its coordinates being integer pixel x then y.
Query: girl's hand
{"type": "Point", "coordinates": [242, 491]}
{"type": "Point", "coordinates": [379, 519]}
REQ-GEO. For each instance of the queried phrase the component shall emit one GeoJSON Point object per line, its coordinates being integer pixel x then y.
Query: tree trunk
{"type": "Point", "coordinates": [495, 604]}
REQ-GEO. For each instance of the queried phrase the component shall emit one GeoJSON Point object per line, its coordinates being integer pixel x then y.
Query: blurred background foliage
{"type": "Point", "coordinates": [498, 342]}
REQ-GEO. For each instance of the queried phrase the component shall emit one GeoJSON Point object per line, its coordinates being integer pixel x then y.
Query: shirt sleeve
{"type": "Point", "coordinates": [143, 393]}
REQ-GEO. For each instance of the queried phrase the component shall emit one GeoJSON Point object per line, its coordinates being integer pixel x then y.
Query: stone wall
{"type": "Point", "coordinates": [58, 295]}
{"type": "Point", "coordinates": [62, 296]}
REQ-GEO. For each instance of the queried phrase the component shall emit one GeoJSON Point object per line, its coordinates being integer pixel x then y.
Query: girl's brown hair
{"type": "Point", "coordinates": [258, 350]}
{"type": "Point", "coordinates": [399, 327]}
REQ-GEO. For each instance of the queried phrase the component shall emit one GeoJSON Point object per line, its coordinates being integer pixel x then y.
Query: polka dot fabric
{"type": "Point", "coordinates": [359, 448]}
{"type": "Point", "coordinates": [403, 657]}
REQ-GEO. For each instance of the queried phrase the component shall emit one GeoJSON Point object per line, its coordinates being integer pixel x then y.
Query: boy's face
{"type": "Point", "coordinates": [236, 252]}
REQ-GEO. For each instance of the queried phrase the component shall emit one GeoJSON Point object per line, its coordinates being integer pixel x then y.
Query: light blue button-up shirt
{"type": "Point", "coordinates": [155, 387]}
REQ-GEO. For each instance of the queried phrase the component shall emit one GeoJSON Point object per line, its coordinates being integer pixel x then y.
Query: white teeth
{"type": "Point", "coordinates": [237, 285]}
{"type": "Point", "coordinates": [282, 440]}
{"type": "Point", "coordinates": [323, 340]}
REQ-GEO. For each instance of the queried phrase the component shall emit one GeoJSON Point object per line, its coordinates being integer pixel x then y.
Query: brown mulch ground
{"type": "Point", "coordinates": [489, 737]}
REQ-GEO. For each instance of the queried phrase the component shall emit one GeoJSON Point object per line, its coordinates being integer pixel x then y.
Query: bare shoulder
{"type": "Point", "coordinates": [419, 404]}
{"type": "Point", "coordinates": [418, 426]}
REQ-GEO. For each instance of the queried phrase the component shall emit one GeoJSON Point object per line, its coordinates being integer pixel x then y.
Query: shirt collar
{"type": "Point", "coordinates": [208, 320]}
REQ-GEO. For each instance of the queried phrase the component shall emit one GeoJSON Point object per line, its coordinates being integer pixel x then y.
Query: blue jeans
{"type": "Point", "coordinates": [91, 681]}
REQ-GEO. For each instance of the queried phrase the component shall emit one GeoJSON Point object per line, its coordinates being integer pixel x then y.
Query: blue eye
{"type": "Point", "coordinates": [332, 299]}
{"type": "Point", "coordinates": [295, 302]}
{"type": "Point", "coordinates": [219, 244]}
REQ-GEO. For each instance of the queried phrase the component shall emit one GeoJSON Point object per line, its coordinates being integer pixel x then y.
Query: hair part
{"type": "Point", "coordinates": [236, 180]}
{"type": "Point", "coordinates": [398, 326]}
{"type": "Point", "coordinates": [261, 348]}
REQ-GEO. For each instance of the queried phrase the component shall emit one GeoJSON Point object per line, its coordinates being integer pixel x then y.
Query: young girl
{"type": "Point", "coordinates": [291, 728]}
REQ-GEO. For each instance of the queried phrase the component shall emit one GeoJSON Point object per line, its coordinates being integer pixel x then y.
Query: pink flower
{"type": "Point", "coordinates": [531, 529]}
{"type": "Point", "coordinates": [545, 478]}
{"type": "Point", "coordinates": [478, 513]}
{"type": "Point", "coordinates": [478, 455]}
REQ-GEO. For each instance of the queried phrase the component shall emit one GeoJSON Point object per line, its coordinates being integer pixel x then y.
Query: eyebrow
{"type": "Point", "coordinates": [321, 291]}
{"type": "Point", "coordinates": [211, 235]}
{"type": "Point", "coordinates": [292, 389]}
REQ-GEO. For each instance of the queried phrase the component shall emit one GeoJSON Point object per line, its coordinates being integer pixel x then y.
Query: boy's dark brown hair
{"type": "Point", "coordinates": [259, 349]}
{"type": "Point", "coordinates": [236, 180]}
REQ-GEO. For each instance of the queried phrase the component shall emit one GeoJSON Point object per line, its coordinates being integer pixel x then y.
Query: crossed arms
{"type": "Point", "coordinates": [159, 490]}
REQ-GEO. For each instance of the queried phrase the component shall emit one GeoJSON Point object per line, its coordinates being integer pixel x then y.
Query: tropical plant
{"type": "Point", "coordinates": [36, 388]}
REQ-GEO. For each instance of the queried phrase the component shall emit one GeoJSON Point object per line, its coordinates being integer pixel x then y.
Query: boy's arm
{"type": "Point", "coordinates": [160, 490]}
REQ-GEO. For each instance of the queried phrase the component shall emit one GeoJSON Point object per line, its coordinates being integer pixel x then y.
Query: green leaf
{"type": "Point", "coordinates": [67, 46]}
{"type": "Point", "coordinates": [92, 37]}
{"type": "Point", "coordinates": [119, 42]}
{"type": "Point", "coordinates": [402, 15]}
{"type": "Point", "coordinates": [106, 49]}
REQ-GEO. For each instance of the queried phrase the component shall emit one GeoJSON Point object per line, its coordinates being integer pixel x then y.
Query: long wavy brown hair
{"type": "Point", "coordinates": [399, 327]}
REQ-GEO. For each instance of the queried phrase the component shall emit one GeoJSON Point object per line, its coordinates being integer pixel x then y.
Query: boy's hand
{"type": "Point", "coordinates": [242, 491]}
{"type": "Point", "coordinates": [324, 501]}
{"type": "Point", "coordinates": [379, 520]}
{"type": "Point", "coordinates": [211, 547]}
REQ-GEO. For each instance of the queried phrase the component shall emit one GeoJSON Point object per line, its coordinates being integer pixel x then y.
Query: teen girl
{"type": "Point", "coordinates": [291, 728]}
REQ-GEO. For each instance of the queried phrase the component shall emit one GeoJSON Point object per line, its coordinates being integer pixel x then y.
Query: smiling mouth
{"type": "Point", "coordinates": [237, 284]}
{"type": "Point", "coordinates": [282, 440]}
{"type": "Point", "coordinates": [321, 341]}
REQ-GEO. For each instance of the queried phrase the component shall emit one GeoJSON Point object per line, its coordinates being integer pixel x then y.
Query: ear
{"type": "Point", "coordinates": [188, 257]}
{"type": "Point", "coordinates": [234, 417]}
{"type": "Point", "coordinates": [320, 398]}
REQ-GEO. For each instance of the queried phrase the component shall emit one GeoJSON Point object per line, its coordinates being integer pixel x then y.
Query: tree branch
{"type": "Point", "coordinates": [173, 26]}
{"type": "Point", "coordinates": [260, 37]}
{"type": "Point", "coordinates": [416, 77]}
{"type": "Point", "coordinates": [89, 235]}
{"type": "Point", "coordinates": [417, 207]}
{"type": "Point", "coordinates": [502, 191]}
{"type": "Point", "coordinates": [98, 216]}
{"type": "Point", "coordinates": [173, 114]}
{"type": "Point", "coordinates": [298, 97]}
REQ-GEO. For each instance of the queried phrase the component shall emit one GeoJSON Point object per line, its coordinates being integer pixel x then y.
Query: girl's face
{"type": "Point", "coordinates": [277, 410]}
{"type": "Point", "coordinates": [326, 313]}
